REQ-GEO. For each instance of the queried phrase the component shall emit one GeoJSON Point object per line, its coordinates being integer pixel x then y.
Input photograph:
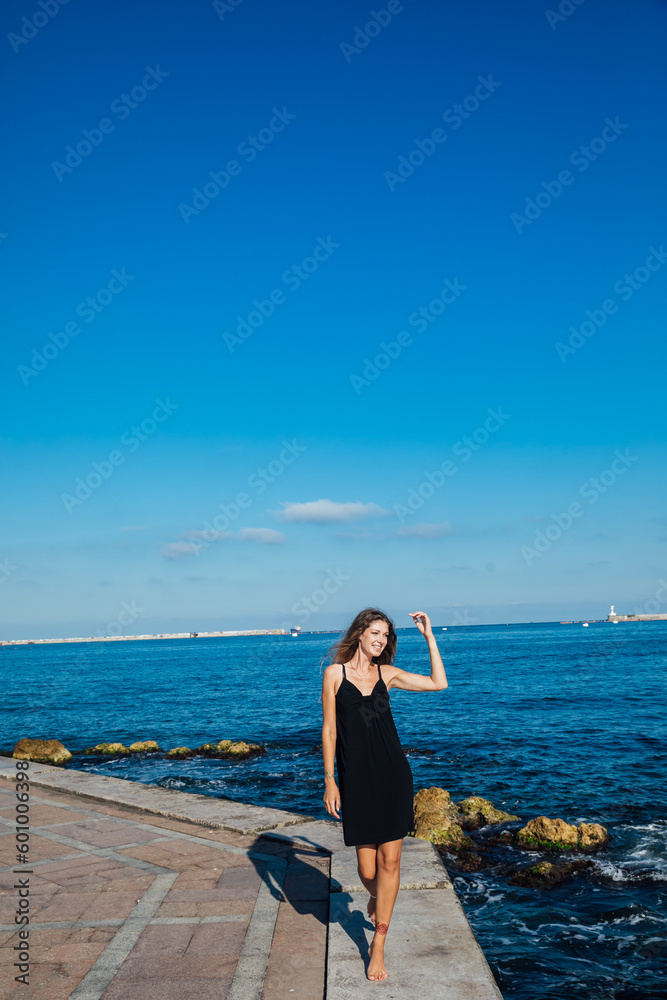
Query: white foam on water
{"type": "Point", "coordinates": [618, 874]}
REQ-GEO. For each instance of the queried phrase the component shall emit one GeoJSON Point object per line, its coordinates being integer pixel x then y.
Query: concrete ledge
{"type": "Point", "coordinates": [224, 814]}
{"type": "Point", "coordinates": [431, 951]}
{"type": "Point", "coordinates": [421, 867]}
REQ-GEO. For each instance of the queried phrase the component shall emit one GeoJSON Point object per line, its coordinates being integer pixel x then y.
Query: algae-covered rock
{"type": "Point", "coordinates": [592, 836]}
{"type": "Point", "coordinates": [179, 753]}
{"type": "Point", "coordinates": [435, 816]}
{"type": "Point", "coordinates": [108, 749]}
{"type": "Point", "coordinates": [433, 809]}
{"type": "Point", "coordinates": [435, 799]}
{"type": "Point", "coordinates": [476, 812]}
{"type": "Point", "coordinates": [469, 861]}
{"type": "Point", "coordinates": [452, 838]}
{"type": "Point", "coordinates": [149, 746]}
{"type": "Point", "coordinates": [237, 750]}
{"type": "Point", "coordinates": [545, 874]}
{"type": "Point", "coordinates": [544, 834]}
{"type": "Point", "coordinates": [41, 751]}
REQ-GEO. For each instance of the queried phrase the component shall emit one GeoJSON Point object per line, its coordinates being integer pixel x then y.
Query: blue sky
{"type": "Point", "coordinates": [307, 239]}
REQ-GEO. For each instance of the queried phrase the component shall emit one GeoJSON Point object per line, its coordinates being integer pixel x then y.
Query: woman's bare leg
{"type": "Point", "coordinates": [388, 879]}
{"type": "Point", "coordinates": [367, 868]}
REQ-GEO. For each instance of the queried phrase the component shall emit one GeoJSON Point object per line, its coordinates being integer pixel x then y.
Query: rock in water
{"type": "Point", "coordinates": [545, 874]}
{"type": "Point", "coordinates": [435, 816]}
{"type": "Point", "coordinates": [434, 801]}
{"type": "Point", "coordinates": [238, 750]}
{"type": "Point", "coordinates": [108, 749]}
{"type": "Point", "coordinates": [544, 834]}
{"type": "Point", "coordinates": [180, 752]}
{"type": "Point", "coordinates": [476, 812]}
{"type": "Point", "coordinates": [149, 746]}
{"type": "Point", "coordinates": [592, 836]}
{"type": "Point", "coordinates": [42, 751]}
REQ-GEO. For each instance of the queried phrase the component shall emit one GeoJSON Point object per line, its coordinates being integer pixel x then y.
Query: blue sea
{"type": "Point", "coordinates": [544, 718]}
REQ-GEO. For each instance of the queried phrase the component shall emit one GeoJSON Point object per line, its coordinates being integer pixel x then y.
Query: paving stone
{"type": "Point", "coordinates": [103, 833]}
{"type": "Point", "coordinates": [40, 848]}
{"type": "Point", "coordinates": [306, 881]}
{"type": "Point", "coordinates": [63, 906]}
{"type": "Point", "coordinates": [167, 967]}
{"type": "Point", "coordinates": [109, 904]}
{"type": "Point", "coordinates": [296, 966]}
{"type": "Point", "coordinates": [217, 939]}
{"type": "Point", "coordinates": [41, 814]}
{"type": "Point", "coordinates": [164, 939]}
{"type": "Point", "coordinates": [176, 989]}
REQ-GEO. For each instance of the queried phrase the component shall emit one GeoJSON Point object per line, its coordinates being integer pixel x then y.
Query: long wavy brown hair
{"type": "Point", "coordinates": [345, 648]}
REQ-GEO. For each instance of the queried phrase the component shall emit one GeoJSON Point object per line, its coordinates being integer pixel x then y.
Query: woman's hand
{"type": "Point", "coordinates": [332, 798]}
{"type": "Point", "coordinates": [422, 621]}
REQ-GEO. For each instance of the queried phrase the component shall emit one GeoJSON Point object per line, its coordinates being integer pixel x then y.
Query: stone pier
{"type": "Point", "coordinates": [144, 893]}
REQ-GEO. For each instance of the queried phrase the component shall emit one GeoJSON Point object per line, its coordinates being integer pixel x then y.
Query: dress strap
{"type": "Point", "coordinates": [379, 671]}
{"type": "Point", "coordinates": [344, 674]}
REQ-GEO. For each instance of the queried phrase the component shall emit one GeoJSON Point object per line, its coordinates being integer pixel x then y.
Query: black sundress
{"type": "Point", "coordinates": [374, 776]}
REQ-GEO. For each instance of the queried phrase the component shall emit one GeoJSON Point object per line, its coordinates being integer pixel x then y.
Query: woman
{"type": "Point", "coordinates": [376, 790]}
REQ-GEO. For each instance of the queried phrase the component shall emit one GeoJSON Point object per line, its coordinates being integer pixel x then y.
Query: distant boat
{"type": "Point", "coordinates": [444, 628]}
{"type": "Point", "coordinates": [585, 624]}
{"type": "Point", "coordinates": [295, 631]}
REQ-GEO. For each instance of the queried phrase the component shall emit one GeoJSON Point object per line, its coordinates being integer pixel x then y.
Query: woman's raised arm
{"type": "Point", "coordinates": [419, 682]}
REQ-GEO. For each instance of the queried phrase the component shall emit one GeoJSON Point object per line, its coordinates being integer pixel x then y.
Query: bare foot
{"type": "Point", "coordinates": [376, 969]}
{"type": "Point", "coordinates": [370, 909]}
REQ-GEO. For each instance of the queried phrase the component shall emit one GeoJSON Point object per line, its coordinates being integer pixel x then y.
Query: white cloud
{"type": "Point", "coordinates": [185, 549]}
{"type": "Point", "coordinates": [328, 511]}
{"type": "Point", "coordinates": [426, 530]}
{"type": "Point", "coordinates": [208, 536]}
{"type": "Point", "coordinates": [264, 536]}
{"type": "Point", "coordinates": [179, 550]}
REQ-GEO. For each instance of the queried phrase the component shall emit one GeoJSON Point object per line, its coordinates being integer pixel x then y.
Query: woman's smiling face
{"type": "Point", "coordinates": [374, 638]}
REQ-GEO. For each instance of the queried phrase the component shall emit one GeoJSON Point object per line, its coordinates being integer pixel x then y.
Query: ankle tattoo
{"type": "Point", "coordinates": [381, 928]}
